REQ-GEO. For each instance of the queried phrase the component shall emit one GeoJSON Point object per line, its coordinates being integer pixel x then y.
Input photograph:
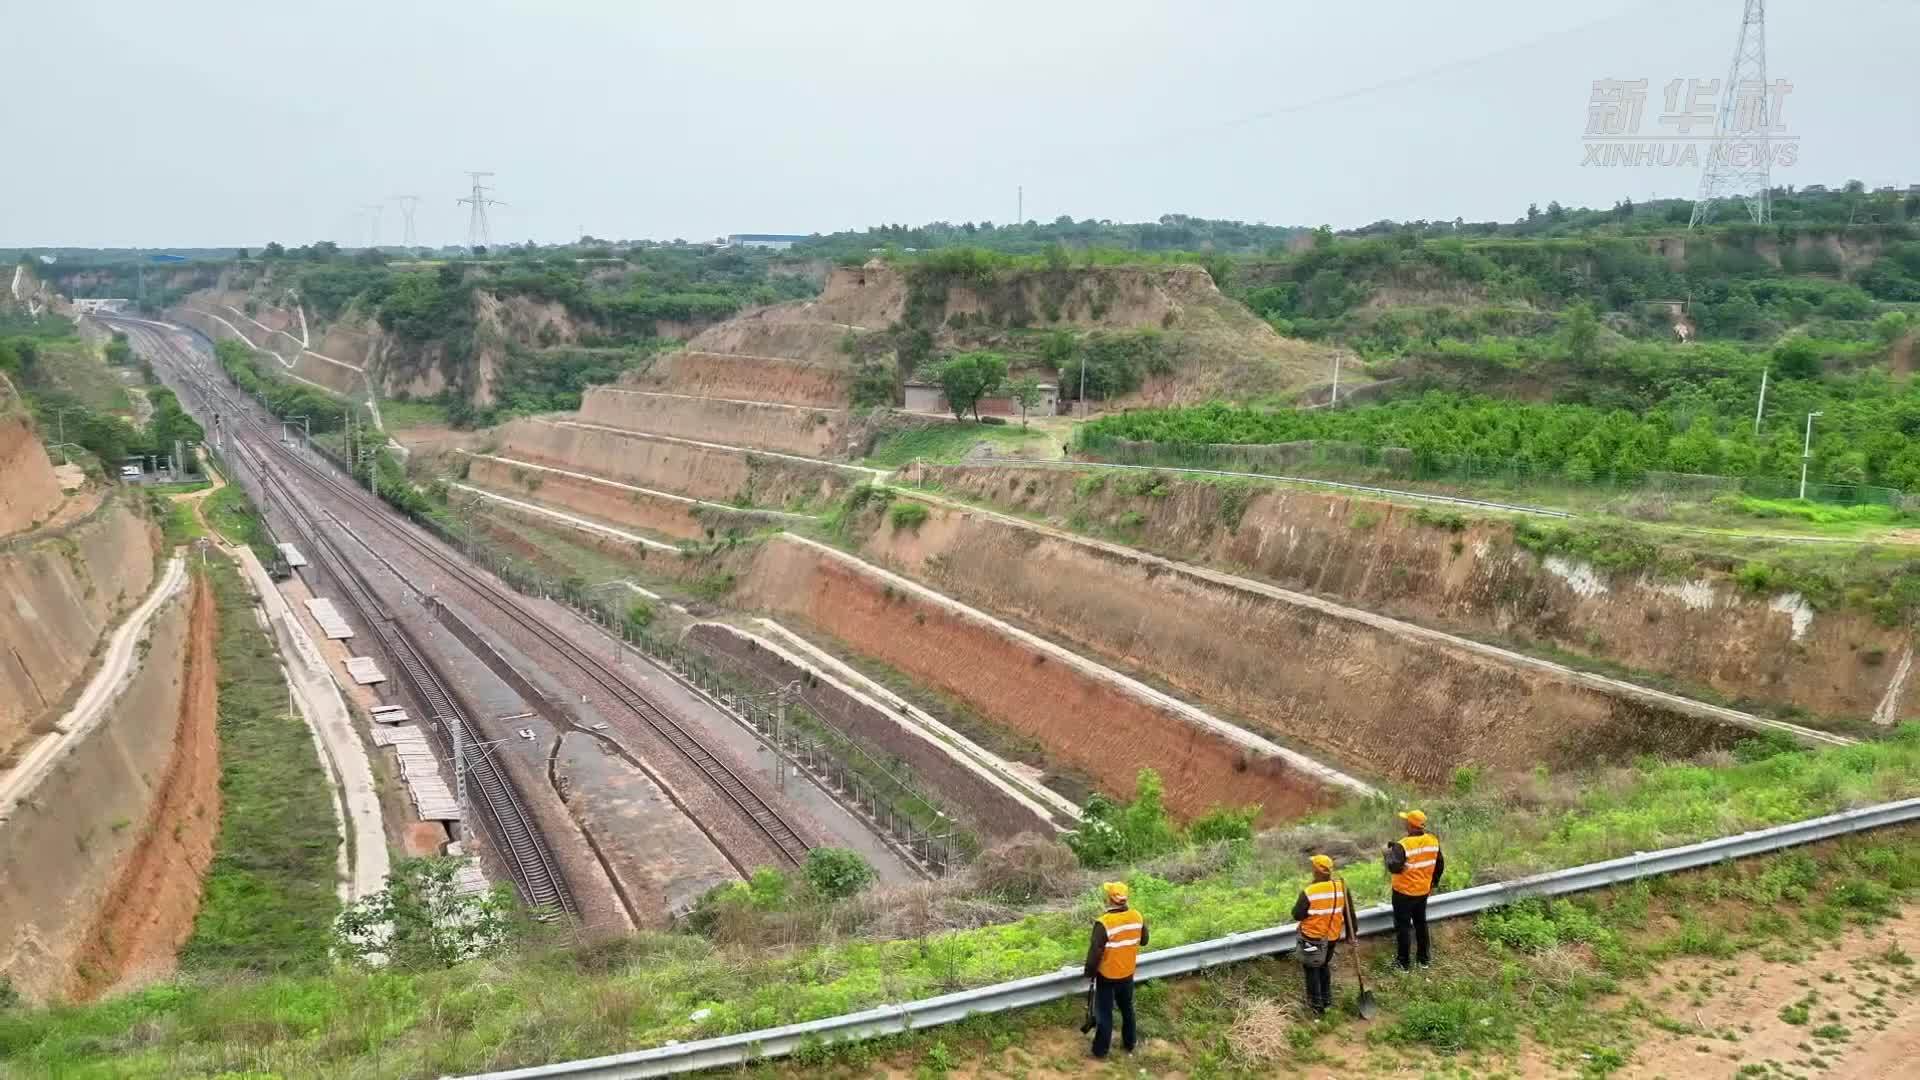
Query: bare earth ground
{"type": "Point", "coordinates": [152, 907]}
{"type": "Point", "coordinates": [1701, 1019]}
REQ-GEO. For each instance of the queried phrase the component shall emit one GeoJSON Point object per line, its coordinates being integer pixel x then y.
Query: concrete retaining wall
{"type": "Point", "coordinates": [785, 428]}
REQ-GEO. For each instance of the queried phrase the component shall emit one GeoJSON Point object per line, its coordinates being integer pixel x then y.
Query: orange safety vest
{"type": "Point", "coordinates": [1123, 943]}
{"type": "Point", "coordinates": [1326, 911]}
{"type": "Point", "coordinates": [1416, 879]}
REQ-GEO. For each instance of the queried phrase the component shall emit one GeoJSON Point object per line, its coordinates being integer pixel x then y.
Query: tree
{"type": "Point", "coordinates": [420, 921]}
{"type": "Point", "coordinates": [968, 377]}
{"type": "Point", "coordinates": [274, 251]}
{"type": "Point", "coordinates": [1797, 358]}
{"type": "Point", "coordinates": [836, 873]}
{"type": "Point", "coordinates": [1580, 331]}
{"type": "Point", "coordinates": [1026, 394]}
{"type": "Point", "coordinates": [1058, 349]}
{"type": "Point", "coordinates": [119, 352]}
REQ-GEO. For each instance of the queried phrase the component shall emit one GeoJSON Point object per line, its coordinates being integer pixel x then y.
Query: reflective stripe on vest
{"type": "Point", "coordinates": [1423, 851]}
{"type": "Point", "coordinates": [1326, 911]}
{"type": "Point", "coordinates": [1123, 943]}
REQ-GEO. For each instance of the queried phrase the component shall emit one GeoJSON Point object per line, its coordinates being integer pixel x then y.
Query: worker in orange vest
{"type": "Point", "coordinates": [1415, 863]}
{"type": "Point", "coordinates": [1118, 936]}
{"type": "Point", "coordinates": [1324, 912]}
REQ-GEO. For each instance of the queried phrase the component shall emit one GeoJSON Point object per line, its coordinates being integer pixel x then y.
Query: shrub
{"type": "Point", "coordinates": [1222, 824]}
{"type": "Point", "coordinates": [1112, 833]}
{"type": "Point", "coordinates": [836, 873]}
{"type": "Point", "coordinates": [1754, 577]}
{"type": "Point", "coordinates": [1026, 868]}
{"type": "Point", "coordinates": [908, 515]}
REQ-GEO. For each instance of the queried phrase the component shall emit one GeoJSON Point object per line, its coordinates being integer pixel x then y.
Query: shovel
{"type": "Point", "coordinates": [1087, 1024]}
{"type": "Point", "coordinates": [1366, 1006]}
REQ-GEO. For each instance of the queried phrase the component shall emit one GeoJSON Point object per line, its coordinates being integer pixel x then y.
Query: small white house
{"type": "Point", "coordinates": [770, 241]}
{"type": "Point", "coordinates": [926, 397]}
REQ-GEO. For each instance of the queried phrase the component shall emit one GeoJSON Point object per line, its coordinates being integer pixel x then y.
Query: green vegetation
{"type": "Point", "coordinates": [948, 442]}
{"type": "Point", "coordinates": [908, 515]}
{"type": "Point", "coordinates": [419, 920]}
{"type": "Point", "coordinates": [550, 1004]}
{"type": "Point", "coordinates": [398, 415]}
{"type": "Point", "coordinates": [1176, 235]}
{"type": "Point", "coordinates": [968, 377]}
{"type": "Point", "coordinates": [230, 513]}
{"type": "Point", "coordinates": [1863, 436]}
{"type": "Point", "coordinates": [77, 397]}
{"type": "Point", "coordinates": [251, 371]}
{"type": "Point", "coordinates": [269, 899]}
{"type": "Point", "coordinates": [836, 873]}
{"type": "Point", "coordinates": [1118, 834]}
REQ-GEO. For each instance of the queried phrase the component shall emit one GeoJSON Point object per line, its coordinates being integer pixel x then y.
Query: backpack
{"type": "Point", "coordinates": [1396, 858]}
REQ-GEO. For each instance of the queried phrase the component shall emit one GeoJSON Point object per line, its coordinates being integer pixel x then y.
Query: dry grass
{"type": "Point", "coordinates": [1259, 1035]}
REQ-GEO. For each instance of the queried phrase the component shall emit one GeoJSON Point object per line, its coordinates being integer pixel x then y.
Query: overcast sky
{"type": "Point", "coordinates": [222, 123]}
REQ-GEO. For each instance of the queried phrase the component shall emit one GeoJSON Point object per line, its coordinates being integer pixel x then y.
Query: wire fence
{"type": "Point", "coordinates": [1357, 463]}
{"type": "Point", "coordinates": [867, 788]}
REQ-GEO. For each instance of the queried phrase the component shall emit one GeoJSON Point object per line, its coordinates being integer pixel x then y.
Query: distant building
{"type": "Point", "coordinates": [771, 241]}
{"type": "Point", "coordinates": [926, 397]}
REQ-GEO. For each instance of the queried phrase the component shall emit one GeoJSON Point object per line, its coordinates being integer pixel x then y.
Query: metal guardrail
{"type": "Point", "coordinates": [1455, 500]}
{"type": "Point", "coordinates": [1184, 959]}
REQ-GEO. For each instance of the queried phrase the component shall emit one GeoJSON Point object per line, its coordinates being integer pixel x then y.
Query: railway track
{"type": "Point", "coordinates": [780, 833]}
{"type": "Point", "coordinates": [534, 869]}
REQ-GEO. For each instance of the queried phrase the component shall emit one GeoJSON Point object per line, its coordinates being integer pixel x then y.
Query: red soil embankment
{"type": "Point", "coordinates": [789, 429]}
{"type": "Point", "coordinates": [1096, 724]}
{"type": "Point", "coordinates": [621, 506]}
{"type": "Point", "coordinates": [63, 587]}
{"type": "Point", "coordinates": [30, 494]}
{"type": "Point", "coordinates": [1406, 705]}
{"type": "Point", "coordinates": [747, 378]}
{"type": "Point", "coordinates": [150, 911]}
{"type": "Point", "coordinates": [715, 473]}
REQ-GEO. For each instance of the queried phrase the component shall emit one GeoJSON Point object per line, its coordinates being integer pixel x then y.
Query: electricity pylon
{"type": "Point", "coordinates": [373, 223]}
{"type": "Point", "coordinates": [408, 204]}
{"type": "Point", "coordinates": [1746, 117]}
{"type": "Point", "coordinates": [478, 234]}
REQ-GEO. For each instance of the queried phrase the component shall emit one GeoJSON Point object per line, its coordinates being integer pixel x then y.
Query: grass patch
{"type": "Point", "coordinates": [949, 441]}
{"type": "Point", "coordinates": [399, 415]}
{"type": "Point", "coordinates": [233, 516]}
{"type": "Point", "coordinates": [269, 902]}
{"type": "Point", "coordinates": [184, 488]}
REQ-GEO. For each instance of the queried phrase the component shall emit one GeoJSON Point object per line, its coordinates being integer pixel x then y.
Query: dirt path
{"type": "Point", "coordinates": [150, 911]}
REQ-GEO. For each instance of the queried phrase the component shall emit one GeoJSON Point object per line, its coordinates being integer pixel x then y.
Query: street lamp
{"type": "Point", "coordinates": [1806, 452]}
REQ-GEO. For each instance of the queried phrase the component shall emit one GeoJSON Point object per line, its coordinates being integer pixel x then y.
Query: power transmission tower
{"type": "Point", "coordinates": [1742, 171]}
{"type": "Point", "coordinates": [478, 234]}
{"type": "Point", "coordinates": [373, 223]}
{"type": "Point", "coordinates": [408, 204]}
